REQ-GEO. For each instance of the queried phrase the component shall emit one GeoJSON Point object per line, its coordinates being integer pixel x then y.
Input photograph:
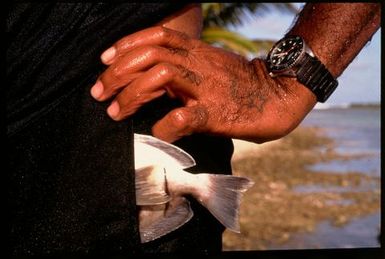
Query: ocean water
{"type": "Point", "coordinates": [355, 131]}
{"type": "Point", "coordinates": [357, 234]}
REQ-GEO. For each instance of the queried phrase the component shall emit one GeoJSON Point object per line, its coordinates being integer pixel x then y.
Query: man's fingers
{"type": "Point", "coordinates": [157, 35]}
{"type": "Point", "coordinates": [110, 85]}
{"type": "Point", "coordinates": [128, 67]}
{"type": "Point", "coordinates": [181, 122]}
{"type": "Point", "coordinates": [177, 81]}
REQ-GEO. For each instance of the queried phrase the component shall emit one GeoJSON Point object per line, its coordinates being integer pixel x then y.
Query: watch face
{"type": "Point", "coordinates": [285, 53]}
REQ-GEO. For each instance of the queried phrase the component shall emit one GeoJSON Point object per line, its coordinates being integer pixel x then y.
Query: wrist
{"type": "Point", "coordinates": [299, 101]}
{"type": "Point", "coordinates": [288, 103]}
{"type": "Point", "coordinates": [292, 57]}
{"type": "Point", "coordinates": [288, 88]}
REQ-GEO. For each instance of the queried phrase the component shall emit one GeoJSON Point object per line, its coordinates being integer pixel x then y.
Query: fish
{"type": "Point", "coordinates": [162, 184]}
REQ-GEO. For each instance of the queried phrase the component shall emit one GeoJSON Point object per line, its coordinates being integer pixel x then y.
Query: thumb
{"type": "Point", "coordinates": [181, 122]}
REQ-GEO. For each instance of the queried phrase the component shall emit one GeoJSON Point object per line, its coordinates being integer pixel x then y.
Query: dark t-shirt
{"type": "Point", "coordinates": [71, 167]}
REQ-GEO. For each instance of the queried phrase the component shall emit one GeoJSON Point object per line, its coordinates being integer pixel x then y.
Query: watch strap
{"type": "Point", "coordinates": [314, 75]}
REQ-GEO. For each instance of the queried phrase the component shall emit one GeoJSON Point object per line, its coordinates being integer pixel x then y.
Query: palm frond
{"type": "Point", "coordinates": [231, 46]}
{"type": "Point", "coordinates": [217, 17]}
{"type": "Point", "coordinates": [235, 42]}
{"type": "Point", "coordinates": [263, 45]}
{"type": "Point", "coordinates": [223, 14]}
{"type": "Point", "coordinates": [217, 34]}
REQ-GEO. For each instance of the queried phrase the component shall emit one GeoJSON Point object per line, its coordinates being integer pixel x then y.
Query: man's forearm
{"type": "Point", "coordinates": [336, 32]}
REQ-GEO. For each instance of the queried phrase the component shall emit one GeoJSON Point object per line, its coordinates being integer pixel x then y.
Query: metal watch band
{"type": "Point", "coordinates": [314, 75]}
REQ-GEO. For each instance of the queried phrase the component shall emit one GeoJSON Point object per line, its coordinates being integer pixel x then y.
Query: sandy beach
{"type": "Point", "coordinates": [274, 209]}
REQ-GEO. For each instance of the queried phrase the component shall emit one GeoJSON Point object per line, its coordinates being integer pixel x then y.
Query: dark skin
{"type": "Point", "coordinates": [223, 93]}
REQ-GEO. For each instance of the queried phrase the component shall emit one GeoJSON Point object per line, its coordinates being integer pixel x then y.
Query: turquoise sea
{"type": "Point", "coordinates": [355, 131]}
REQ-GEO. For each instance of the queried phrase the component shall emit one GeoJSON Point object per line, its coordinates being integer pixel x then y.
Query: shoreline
{"type": "Point", "coordinates": [273, 209]}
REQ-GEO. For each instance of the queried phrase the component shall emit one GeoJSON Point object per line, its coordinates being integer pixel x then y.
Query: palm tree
{"type": "Point", "coordinates": [218, 16]}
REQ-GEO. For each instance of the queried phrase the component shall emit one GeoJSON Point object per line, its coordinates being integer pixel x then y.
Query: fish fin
{"type": "Point", "coordinates": [176, 214]}
{"type": "Point", "coordinates": [223, 197]}
{"type": "Point", "coordinates": [150, 186]}
{"type": "Point", "coordinates": [181, 157]}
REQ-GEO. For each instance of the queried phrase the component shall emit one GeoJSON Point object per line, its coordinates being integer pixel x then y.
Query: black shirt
{"type": "Point", "coordinates": [71, 167]}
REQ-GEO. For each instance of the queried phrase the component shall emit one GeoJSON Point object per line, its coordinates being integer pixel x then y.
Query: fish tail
{"type": "Point", "coordinates": [222, 195]}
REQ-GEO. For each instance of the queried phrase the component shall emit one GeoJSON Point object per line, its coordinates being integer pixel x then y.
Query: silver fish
{"type": "Point", "coordinates": [161, 184]}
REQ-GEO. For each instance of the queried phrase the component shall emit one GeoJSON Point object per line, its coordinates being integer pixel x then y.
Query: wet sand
{"type": "Point", "coordinates": [285, 200]}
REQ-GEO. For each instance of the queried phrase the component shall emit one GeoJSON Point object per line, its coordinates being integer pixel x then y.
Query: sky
{"type": "Point", "coordinates": [360, 82]}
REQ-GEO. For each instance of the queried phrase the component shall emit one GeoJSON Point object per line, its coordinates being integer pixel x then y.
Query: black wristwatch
{"type": "Point", "coordinates": [292, 57]}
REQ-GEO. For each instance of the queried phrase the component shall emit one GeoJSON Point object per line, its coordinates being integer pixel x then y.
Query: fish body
{"type": "Point", "coordinates": [162, 184]}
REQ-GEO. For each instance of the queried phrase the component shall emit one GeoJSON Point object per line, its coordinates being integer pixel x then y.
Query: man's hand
{"type": "Point", "coordinates": [223, 93]}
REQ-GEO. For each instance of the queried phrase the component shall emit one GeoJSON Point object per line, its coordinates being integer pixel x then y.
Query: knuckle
{"type": "Point", "coordinates": [179, 119]}
{"type": "Point", "coordinates": [122, 99]}
{"type": "Point", "coordinates": [166, 70]}
{"type": "Point", "coordinates": [164, 33]}
{"type": "Point", "coordinates": [110, 80]}
{"type": "Point", "coordinates": [201, 117]}
{"type": "Point", "coordinates": [189, 75]}
{"type": "Point", "coordinates": [151, 51]}
{"type": "Point", "coordinates": [178, 51]}
{"type": "Point", "coordinates": [116, 73]}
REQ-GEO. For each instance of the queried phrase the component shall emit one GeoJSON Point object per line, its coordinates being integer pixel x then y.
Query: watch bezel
{"type": "Point", "coordinates": [288, 69]}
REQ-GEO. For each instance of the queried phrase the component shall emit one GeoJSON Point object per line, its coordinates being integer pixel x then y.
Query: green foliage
{"type": "Point", "coordinates": [218, 16]}
{"type": "Point", "coordinates": [229, 40]}
{"type": "Point", "coordinates": [223, 14]}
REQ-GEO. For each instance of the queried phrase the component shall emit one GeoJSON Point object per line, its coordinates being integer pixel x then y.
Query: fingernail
{"type": "Point", "coordinates": [97, 89]}
{"type": "Point", "coordinates": [113, 109]}
{"type": "Point", "coordinates": [108, 55]}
